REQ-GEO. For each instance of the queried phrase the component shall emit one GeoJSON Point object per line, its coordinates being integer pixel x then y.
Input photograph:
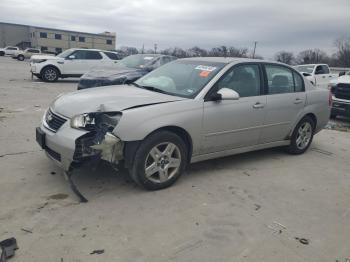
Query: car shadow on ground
{"type": "Point", "coordinates": [94, 181]}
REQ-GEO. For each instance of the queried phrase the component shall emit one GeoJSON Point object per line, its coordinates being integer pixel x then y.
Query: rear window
{"type": "Point", "coordinates": [33, 51]}
{"type": "Point", "coordinates": [112, 56]}
{"type": "Point", "coordinates": [137, 61]}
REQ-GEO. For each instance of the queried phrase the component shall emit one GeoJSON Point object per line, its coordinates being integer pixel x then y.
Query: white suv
{"type": "Point", "coordinates": [25, 54]}
{"type": "Point", "coordinates": [8, 50]}
{"type": "Point", "coordinates": [71, 63]}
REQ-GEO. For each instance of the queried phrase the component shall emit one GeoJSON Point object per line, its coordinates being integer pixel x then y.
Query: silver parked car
{"type": "Point", "coordinates": [186, 111]}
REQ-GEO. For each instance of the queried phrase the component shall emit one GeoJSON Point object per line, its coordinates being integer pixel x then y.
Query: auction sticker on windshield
{"type": "Point", "coordinates": [205, 68]}
{"type": "Point", "coordinates": [204, 73]}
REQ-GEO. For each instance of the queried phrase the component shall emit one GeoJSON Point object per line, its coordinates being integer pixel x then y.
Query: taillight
{"type": "Point", "coordinates": [330, 99]}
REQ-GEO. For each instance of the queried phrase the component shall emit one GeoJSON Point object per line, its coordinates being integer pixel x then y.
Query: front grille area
{"type": "Point", "coordinates": [342, 91]}
{"type": "Point", "coordinates": [54, 121]}
{"type": "Point", "coordinates": [53, 154]}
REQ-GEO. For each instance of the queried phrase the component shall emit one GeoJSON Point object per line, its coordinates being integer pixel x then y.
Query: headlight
{"type": "Point", "coordinates": [106, 121]}
{"type": "Point", "coordinates": [82, 121]}
{"type": "Point", "coordinates": [38, 60]}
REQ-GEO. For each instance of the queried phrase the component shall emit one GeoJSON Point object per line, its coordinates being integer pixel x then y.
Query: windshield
{"type": "Point", "coordinates": [136, 61]}
{"type": "Point", "coordinates": [306, 69]}
{"type": "Point", "coordinates": [66, 53]}
{"type": "Point", "coordinates": [184, 78]}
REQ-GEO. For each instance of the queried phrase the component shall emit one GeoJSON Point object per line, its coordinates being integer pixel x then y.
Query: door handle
{"type": "Point", "coordinates": [298, 101]}
{"type": "Point", "coordinates": [258, 105]}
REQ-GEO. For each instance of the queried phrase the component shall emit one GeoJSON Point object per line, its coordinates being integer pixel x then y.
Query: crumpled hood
{"type": "Point", "coordinates": [109, 98]}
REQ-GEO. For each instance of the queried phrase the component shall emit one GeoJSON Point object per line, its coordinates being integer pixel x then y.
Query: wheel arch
{"type": "Point", "coordinates": [305, 114]}
{"type": "Point", "coordinates": [313, 117]}
{"type": "Point", "coordinates": [132, 146]}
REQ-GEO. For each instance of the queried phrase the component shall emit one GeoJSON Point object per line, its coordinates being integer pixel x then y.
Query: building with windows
{"type": "Point", "coordinates": [53, 40]}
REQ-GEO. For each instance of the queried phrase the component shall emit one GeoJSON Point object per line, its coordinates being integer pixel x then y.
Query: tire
{"type": "Point", "coordinates": [20, 58]}
{"type": "Point", "coordinates": [2, 53]}
{"type": "Point", "coordinates": [302, 136]}
{"type": "Point", "coordinates": [49, 74]}
{"type": "Point", "coordinates": [152, 155]}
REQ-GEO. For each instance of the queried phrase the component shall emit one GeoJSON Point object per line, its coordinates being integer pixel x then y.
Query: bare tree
{"type": "Point", "coordinates": [285, 57]}
{"type": "Point", "coordinates": [197, 51]}
{"type": "Point", "coordinates": [343, 53]}
{"type": "Point", "coordinates": [176, 51]}
{"type": "Point", "coordinates": [237, 52]}
{"type": "Point", "coordinates": [218, 51]}
{"type": "Point", "coordinates": [312, 56]}
{"type": "Point", "coordinates": [126, 51]}
{"type": "Point", "coordinates": [232, 51]}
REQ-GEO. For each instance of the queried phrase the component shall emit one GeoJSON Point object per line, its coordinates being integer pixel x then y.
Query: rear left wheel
{"type": "Point", "coordinates": [159, 161]}
{"type": "Point", "coordinates": [302, 136]}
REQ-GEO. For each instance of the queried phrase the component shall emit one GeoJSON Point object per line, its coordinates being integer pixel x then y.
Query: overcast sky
{"type": "Point", "coordinates": [291, 25]}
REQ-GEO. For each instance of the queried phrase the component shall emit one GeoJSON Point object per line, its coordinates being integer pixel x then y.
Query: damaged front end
{"type": "Point", "coordinates": [100, 142]}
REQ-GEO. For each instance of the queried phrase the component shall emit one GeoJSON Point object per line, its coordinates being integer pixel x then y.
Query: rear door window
{"type": "Point", "coordinates": [112, 56]}
{"type": "Point", "coordinates": [319, 70]}
{"type": "Point", "coordinates": [325, 69]}
{"type": "Point", "coordinates": [280, 79]}
{"type": "Point", "coordinates": [87, 55]}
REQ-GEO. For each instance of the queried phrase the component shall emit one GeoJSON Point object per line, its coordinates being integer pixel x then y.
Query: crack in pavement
{"type": "Point", "coordinates": [19, 153]}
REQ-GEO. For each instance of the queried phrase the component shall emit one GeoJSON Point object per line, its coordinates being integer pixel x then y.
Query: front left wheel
{"type": "Point", "coordinates": [20, 57]}
{"type": "Point", "coordinates": [159, 161]}
{"type": "Point", "coordinates": [49, 74]}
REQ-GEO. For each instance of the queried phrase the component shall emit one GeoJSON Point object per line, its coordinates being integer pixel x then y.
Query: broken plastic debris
{"type": "Point", "coordinates": [8, 247]}
{"type": "Point", "coordinates": [111, 148]}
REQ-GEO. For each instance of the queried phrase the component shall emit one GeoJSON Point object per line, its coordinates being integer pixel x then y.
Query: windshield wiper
{"type": "Point", "coordinates": [151, 88]}
{"type": "Point", "coordinates": [134, 84]}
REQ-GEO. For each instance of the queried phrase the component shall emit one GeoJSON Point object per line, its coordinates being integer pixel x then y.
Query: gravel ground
{"type": "Point", "coordinates": [251, 207]}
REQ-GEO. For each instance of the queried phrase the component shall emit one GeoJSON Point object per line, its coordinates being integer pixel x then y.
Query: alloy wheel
{"type": "Point", "coordinates": [50, 74]}
{"type": "Point", "coordinates": [162, 162]}
{"type": "Point", "coordinates": [304, 135]}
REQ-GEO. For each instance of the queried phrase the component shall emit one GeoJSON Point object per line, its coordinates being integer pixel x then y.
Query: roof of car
{"type": "Point", "coordinates": [225, 60]}
{"type": "Point", "coordinates": [92, 49]}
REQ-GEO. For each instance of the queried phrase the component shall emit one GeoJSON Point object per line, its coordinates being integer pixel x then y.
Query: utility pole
{"type": "Point", "coordinates": [155, 48]}
{"type": "Point", "coordinates": [255, 43]}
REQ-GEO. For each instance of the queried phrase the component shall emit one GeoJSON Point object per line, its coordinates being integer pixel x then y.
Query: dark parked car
{"type": "Point", "coordinates": [126, 71]}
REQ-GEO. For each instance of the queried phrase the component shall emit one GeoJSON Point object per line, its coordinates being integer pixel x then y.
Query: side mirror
{"type": "Point", "coordinates": [71, 57]}
{"type": "Point", "coordinates": [306, 74]}
{"type": "Point", "coordinates": [228, 94]}
{"type": "Point", "coordinates": [225, 94]}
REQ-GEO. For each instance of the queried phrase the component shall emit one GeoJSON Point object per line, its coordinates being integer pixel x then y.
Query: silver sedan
{"type": "Point", "coordinates": [186, 111]}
